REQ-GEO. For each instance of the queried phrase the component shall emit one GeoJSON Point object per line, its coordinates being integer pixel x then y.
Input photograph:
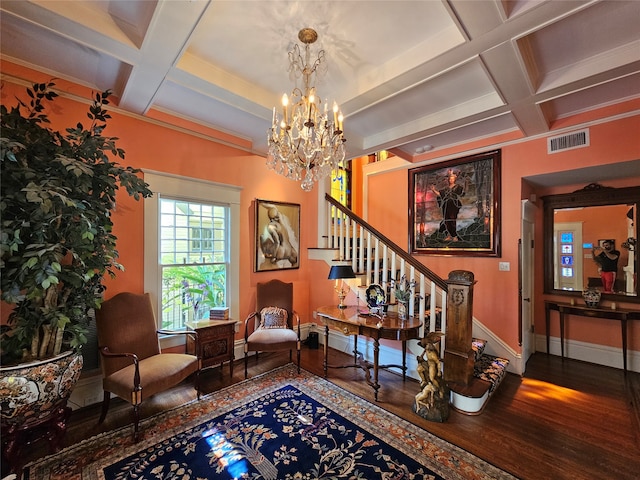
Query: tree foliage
{"type": "Point", "coordinates": [58, 194]}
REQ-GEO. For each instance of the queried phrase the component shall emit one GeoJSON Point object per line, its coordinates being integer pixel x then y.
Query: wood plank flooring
{"type": "Point", "coordinates": [564, 419]}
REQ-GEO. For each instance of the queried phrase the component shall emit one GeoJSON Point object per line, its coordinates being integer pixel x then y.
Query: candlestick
{"type": "Point", "coordinates": [285, 102]}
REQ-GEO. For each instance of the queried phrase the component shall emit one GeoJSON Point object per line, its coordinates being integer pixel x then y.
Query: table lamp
{"type": "Point", "coordinates": [338, 273]}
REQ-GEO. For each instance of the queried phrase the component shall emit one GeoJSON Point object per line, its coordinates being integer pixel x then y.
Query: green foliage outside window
{"type": "Point", "coordinates": [190, 291]}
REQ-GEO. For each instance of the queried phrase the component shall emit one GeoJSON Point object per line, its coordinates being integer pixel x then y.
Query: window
{"type": "Point", "coordinates": [191, 248]}
{"type": "Point", "coordinates": [340, 186]}
{"type": "Point", "coordinates": [193, 260]}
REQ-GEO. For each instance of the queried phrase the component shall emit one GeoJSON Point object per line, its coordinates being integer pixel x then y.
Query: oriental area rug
{"type": "Point", "coordinates": [278, 426]}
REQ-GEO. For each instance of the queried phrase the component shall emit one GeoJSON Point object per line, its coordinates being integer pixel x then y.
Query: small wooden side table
{"type": "Point", "coordinates": [215, 344]}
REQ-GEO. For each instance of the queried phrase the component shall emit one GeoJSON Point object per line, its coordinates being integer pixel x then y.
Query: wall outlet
{"type": "Point", "coordinates": [504, 266]}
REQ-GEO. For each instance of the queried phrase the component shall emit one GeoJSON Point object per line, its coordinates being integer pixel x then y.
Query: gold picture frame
{"type": "Point", "coordinates": [277, 244]}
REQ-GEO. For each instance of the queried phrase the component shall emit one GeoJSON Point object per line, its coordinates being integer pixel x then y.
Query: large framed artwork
{"type": "Point", "coordinates": [455, 207]}
{"type": "Point", "coordinates": [277, 235]}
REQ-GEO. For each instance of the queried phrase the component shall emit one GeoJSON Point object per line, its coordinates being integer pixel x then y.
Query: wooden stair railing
{"type": "Point", "coordinates": [371, 254]}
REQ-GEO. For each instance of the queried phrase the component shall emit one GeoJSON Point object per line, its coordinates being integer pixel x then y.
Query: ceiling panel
{"type": "Point", "coordinates": [32, 45]}
{"type": "Point", "coordinates": [460, 92]}
{"type": "Point", "coordinates": [466, 133]}
{"type": "Point", "coordinates": [584, 100]}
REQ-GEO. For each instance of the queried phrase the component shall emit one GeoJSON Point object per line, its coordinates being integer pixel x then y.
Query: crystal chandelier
{"type": "Point", "coordinates": [306, 142]}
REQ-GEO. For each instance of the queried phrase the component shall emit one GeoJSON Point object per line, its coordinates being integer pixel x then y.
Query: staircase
{"type": "Point", "coordinates": [350, 239]}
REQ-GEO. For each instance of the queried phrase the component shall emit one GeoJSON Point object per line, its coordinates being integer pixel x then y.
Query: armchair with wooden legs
{"type": "Point", "coordinates": [133, 367]}
{"type": "Point", "coordinates": [274, 326]}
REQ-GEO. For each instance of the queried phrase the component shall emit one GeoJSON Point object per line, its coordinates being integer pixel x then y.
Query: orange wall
{"type": "Point", "coordinates": [150, 145]}
{"type": "Point", "coordinates": [496, 293]}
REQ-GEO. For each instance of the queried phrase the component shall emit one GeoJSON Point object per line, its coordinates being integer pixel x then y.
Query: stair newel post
{"type": "Point", "coordinates": [459, 357]}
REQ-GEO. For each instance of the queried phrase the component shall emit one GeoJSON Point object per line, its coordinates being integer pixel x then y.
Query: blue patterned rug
{"type": "Point", "coordinates": [278, 426]}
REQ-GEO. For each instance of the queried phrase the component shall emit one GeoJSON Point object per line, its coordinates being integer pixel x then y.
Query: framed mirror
{"type": "Point", "coordinates": [578, 227]}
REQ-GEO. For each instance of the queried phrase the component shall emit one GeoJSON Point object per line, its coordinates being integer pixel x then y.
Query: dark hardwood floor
{"type": "Point", "coordinates": [564, 419]}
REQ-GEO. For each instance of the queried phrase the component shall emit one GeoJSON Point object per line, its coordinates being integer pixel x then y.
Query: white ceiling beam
{"type": "Point", "coordinates": [166, 40]}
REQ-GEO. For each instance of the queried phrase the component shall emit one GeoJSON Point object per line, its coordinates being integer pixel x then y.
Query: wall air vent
{"type": "Point", "coordinates": [568, 141]}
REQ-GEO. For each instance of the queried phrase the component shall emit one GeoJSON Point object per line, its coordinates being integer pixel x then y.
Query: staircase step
{"type": "Point", "coordinates": [491, 369]}
{"type": "Point", "coordinates": [478, 345]}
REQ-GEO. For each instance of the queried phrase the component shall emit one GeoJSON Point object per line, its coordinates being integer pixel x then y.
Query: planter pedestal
{"type": "Point", "coordinates": [16, 439]}
{"type": "Point", "coordinates": [33, 405]}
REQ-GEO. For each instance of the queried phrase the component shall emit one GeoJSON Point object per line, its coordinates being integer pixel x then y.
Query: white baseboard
{"type": "Point", "coordinates": [589, 352]}
{"type": "Point", "coordinates": [87, 391]}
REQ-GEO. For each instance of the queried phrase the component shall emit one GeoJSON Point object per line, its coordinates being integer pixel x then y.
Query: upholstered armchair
{"type": "Point", "coordinates": [274, 326]}
{"type": "Point", "coordinates": [133, 367]}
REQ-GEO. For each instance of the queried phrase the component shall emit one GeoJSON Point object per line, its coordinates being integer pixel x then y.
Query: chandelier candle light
{"type": "Point", "coordinates": [307, 142]}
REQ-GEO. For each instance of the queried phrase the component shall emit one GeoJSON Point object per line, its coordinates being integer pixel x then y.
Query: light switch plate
{"type": "Point", "coordinates": [504, 266]}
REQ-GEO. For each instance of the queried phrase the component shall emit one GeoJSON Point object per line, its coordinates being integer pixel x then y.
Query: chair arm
{"type": "Point", "coordinates": [249, 326]}
{"type": "Point", "coordinates": [297, 322]}
{"type": "Point", "coordinates": [136, 375]}
{"type": "Point", "coordinates": [105, 351]}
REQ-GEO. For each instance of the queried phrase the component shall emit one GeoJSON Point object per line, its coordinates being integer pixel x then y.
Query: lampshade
{"type": "Point", "coordinates": [341, 271]}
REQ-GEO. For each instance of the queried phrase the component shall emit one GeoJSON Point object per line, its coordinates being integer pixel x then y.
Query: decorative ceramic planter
{"type": "Point", "coordinates": [591, 297]}
{"type": "Point", "coordinates": [33, 404]}
{"type": "Point", "coordinates": [29, 391]}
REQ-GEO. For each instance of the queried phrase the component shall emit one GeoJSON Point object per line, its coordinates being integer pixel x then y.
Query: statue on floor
{"type": "Point", "coordinates": [432, 402]}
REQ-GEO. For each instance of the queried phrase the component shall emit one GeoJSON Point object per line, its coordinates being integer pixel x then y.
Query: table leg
{"type": "Point", "coordinates": [404, 360]}
{"type": "Point", "coordinates": [547, 322]}
{"type": "Point", "coordinates": [562, 334]}
{"type": "Point", "coordinates": [376, 356]}
{"type": "Point", "coordinates": [326, 350]}
{"type": "Point", "coordinates": [355, 348]}
{"type": "Point", "coordinates": [623, 324]}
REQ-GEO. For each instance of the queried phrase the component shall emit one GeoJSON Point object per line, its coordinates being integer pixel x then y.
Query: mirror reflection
{"type": "Point", "coordinates": [593, 246]}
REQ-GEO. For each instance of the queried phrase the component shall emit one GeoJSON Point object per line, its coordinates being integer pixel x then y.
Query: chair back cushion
{"type": "Point", "coordinates": [276, 293]}
{"type": "Point", "coordinates": [273, 317]}
{"type": "Point", "coordinates": [126, 324]}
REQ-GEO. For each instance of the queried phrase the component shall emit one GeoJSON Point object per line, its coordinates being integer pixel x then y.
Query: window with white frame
{"type": "Point", "coordinates": [194, 258]}
{"type": "Point", "coordinates": [191, 248]}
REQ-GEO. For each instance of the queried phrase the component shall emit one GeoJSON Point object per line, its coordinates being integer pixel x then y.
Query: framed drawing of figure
{"type": "Point", "coordinates": [277, 235]}
{"type": "Point", "coordinates": [455, 207]}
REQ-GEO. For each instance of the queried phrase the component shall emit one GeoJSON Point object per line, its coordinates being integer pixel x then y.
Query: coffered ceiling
{"type": "Point", "coordinates": [410, 75]}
